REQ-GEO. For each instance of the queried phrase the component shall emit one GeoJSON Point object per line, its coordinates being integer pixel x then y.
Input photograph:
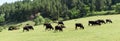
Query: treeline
{"type": "Point", "coordinates": [54, 9]}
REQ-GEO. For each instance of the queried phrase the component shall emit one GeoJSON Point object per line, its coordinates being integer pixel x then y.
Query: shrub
{"type": "Point", "coordinates": [118, 7]}
{"type": "Point", "coordinates": [48, 20]}
{"type": "Point", "coordinates": [39, 20]}
{"type": "Point", "coordinates": [2, 19]}
{"type": "Point", "coordinates": [1, 28]}
{"type": "Point", "coordinates": [60, 19]}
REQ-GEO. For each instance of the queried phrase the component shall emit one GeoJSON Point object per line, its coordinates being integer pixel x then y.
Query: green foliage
{"type": "Point", "coordinates": [74, 13]}
{"type": "Point", "coordinates": [48, 20]}
{"type": "Point", "coordinates": [2, 18]}
{"type": "Point", "coordinates": [60, 19]}
{"type": "Point", "coordinates": [39, 20]}
{"type": "Point", "coordinates": [1, 29]}
{"type": "Point", "coordinates": [118, 7]}
{"type": "Point", "coordinates": [54, 9]}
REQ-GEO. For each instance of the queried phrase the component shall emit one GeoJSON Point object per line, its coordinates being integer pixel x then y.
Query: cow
{"type": "Point", "coordinates": [93, 23]}
{"type": "Point", "coordinates": [60, 22]}
{"type": "Point", "coordinates": [28, 27]}
{"type": "Point", "coordinates": [48, 26]}
{"type": "Point", "coordinates": [101, 21]}
{"type": "Point", "coordinates": [79, 25]}
{"type": "Point", "coordinates": [25, 28]}
{"type": "Point", "coordinates": [108, 21]}
{"type": "Point", "coordinates": [13, 28]}
{"type": "Point", "coordinates": [59, 28]}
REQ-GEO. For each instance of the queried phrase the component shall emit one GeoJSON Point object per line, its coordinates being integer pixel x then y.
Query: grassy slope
{"type": "Point", "coordinates": [105, 32]}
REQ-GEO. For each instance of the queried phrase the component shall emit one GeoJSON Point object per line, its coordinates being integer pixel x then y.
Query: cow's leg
{"type": "Point", "coordinates": [55, 30]}
{"type": "Point", "coordinates": [27, 29]}
{"type": "Point", "coordinates": [49, 29]}
{"type": "Point", "coordinates": [32, 28]}
{"type": "Point", "coordinates": [52, 28]}
{"type": "Point", "coordinates": [61, 29]}
{"type": "Point", "coordinates": [76, 28]}
{"type": "Point", "coordinates": [46, 28]}
{"type": "Point", "coordinates": [104, 22]}
{"type": "Point", "coordinates": [92, 24]}
{"type": "Point", "coordinates": [107, 22]}
{"type": "Point", "coordinates": [99, 24]}
{"type": "Point", "coordinates": [62, 24]}
{"type": "Point", "coordinates": [89, 24]}
{"type": "Point", "coordinates": [23, 30]}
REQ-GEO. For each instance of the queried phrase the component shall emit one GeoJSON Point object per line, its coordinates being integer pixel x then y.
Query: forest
{"type": "Point", "coordinates": [41, 11]}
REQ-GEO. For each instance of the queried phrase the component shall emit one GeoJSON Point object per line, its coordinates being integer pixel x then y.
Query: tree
{"type": "Point", "coordinates": [2, 19]}
{"type": "Point", "coordinates": [118, 7]}
{"type": "Point", "coordinates": [54, 9]}
{"type": "Point", "coordinates": [39, 20]}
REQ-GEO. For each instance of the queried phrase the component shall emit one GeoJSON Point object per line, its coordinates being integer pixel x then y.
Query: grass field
{"type": "Point", "coordinates": [105, 32]}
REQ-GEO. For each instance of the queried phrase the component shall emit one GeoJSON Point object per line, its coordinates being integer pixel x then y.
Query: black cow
{"type": "Point", "coordinates": [27, 28]}
{"type": "Point", "coordinates": [60, 22]}
{"type": "Point", "coordinates": [94, 23]}
{"type": "Point", "coordinates": [48, 26]}
{"type": "Point", "coordinates": [101, 21]}
{"type": "Point", "coordinates": [79, 25]}
{"type": "Point", "coordinates": [13, 28]}
{"type": "Point", "coordinates": [108, 21]}
{"type": "Point", "coordinates": [59, 27]}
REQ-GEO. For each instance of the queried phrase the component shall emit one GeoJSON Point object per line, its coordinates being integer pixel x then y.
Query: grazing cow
{"type": "Point", "coordinates": [79, 25]}
{"type": "Point", "coordinates": [94, 23]}
{"type": "Point", "coordinates": [13, 28]}
{"type": "Point", "coordinates": [48, 26]}
{"type": "Point", "coordinates": [25, 28]}
{"type": "Point", "coordinates": [101, 21]}
{"type": "Point", "coordinates": [59, 27]}
{"type": "Point", "coordinates": [108, 21]}
{"type": "Point", "coordinates": [60, 22]}
{"type": "Point", "coordinates": [28, 27]}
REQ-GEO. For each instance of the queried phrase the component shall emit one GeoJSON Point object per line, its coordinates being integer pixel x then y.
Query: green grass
{"type": "Point", "coordinates": [105, 32]}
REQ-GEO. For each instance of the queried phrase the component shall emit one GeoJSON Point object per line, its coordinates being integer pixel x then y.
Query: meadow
{"type": "Point", "coordinates": [105, 32]}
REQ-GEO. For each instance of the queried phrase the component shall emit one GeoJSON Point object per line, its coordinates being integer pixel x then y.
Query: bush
{"type": "Point", "coordinates": [2, 19]}
{"type": "Point", "coordinates": [66, 18]}
{"type": "Point", "coordinates": [39, 20]}
{"type": "Point", "coordinates": [1, 29]}
{"type": "Point", "coordinates": [108, 13]}
{"type": "Point", "coordinates": [60, 19]}
{"type": "Point", "coordinates": [48, 20]}
{"type": "Point", "coordinates": [118, 7]}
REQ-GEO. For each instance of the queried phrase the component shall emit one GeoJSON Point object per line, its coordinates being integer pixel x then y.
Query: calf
{"type": "Point", "coordinates": [108, 21]}
{"type": "Point", "coordinates": [79, 25]}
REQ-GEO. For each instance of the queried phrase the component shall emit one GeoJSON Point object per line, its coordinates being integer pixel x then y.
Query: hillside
{"type": "Point", "coordinates": [105, 32]}
{"type": "Point", "coordinates": [24, 10]}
